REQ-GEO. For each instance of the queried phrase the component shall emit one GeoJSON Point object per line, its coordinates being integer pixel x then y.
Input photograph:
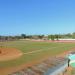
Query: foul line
{"type": "Point", "coordinates": [40, 50]}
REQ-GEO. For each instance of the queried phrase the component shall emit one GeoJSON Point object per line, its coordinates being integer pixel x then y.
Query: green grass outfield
{"type": "Point", "coordinates": [46, 48]}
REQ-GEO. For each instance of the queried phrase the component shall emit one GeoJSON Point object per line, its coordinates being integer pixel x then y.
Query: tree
{"type": "Point", "coordinates": [0, 37]}
{"type": "Point", "coordinates": [49, 37]}
{"type": "Point", "coordinates": [52, 37]}
{"type": "Point", "coordinates": [17, 37]}
{"type": "Point", "coordinates": [6, 37]}
{"type": "Point", "coordinates": [23, 36]}
{"type": "Point", "coordinates": [57, 37]}
{"type": "Point", "coordinates": [40, 36]}
{"type": "Point", "coordinates": [73, 35]}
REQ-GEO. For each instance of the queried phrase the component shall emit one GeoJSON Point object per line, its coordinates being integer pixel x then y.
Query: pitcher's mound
{"type": "Point", "coordinates": [9, 54]}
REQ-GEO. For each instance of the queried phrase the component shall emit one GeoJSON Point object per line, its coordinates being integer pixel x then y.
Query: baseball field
{"type": "Point", "coordinates": [16, 55]}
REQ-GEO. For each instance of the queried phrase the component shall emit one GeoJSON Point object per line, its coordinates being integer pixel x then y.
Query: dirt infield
{"type": "Point", "coordinates": [9, 54]}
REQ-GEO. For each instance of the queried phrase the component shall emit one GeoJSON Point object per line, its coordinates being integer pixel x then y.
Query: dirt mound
{"type": "Point", "coordinates": [9, 54]}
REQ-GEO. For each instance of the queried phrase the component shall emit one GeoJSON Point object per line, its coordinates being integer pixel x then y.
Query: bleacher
{"type": "Point", "coordinates": [46, 67]}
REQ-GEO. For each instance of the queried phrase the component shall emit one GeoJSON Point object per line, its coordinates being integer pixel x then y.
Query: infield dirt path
{"type": "Point", "coordinates": [9, 54]}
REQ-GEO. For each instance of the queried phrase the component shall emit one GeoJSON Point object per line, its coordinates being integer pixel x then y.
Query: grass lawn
{"type": "Point", "coordinates": [47, 49]}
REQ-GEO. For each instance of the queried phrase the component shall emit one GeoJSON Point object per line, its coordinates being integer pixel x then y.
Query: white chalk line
{"type": "Point", "coordinates": [40, 50]}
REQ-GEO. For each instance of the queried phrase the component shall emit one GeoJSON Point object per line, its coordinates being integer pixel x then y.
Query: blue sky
{"type": "Point", "coordinates": [37, 16]}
